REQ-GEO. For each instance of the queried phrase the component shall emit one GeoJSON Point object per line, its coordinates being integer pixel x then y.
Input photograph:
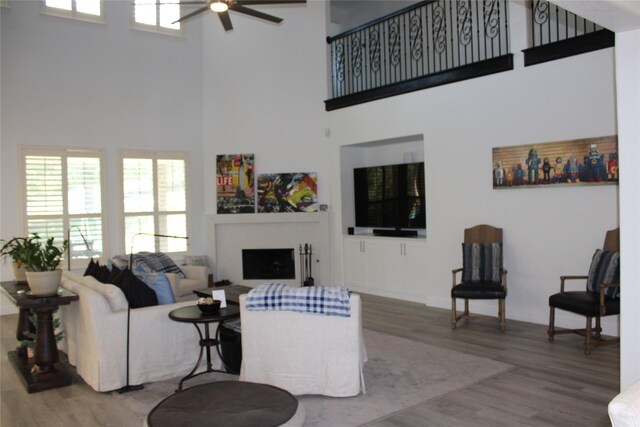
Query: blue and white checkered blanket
{"type": "Point", "coordinates": [325, 300]}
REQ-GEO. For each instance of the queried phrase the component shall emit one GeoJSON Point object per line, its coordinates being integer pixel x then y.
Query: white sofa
{"type": "Point", "coordinates": [304, 353]}
{"type": "Point", "coordinates": [95, 339]}
{"type": "Point", "coordinates": [624, 409]}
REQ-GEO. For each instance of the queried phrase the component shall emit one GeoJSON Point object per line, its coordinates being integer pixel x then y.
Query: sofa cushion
{"type": "Point", "coordinates": [103, 274]}
{"type": "Point", "coordinates": [114, 296]}
{"type": "Point", "coordinates": [160, 285]}
{"type": "Point", "coordinates": [137, 292]}
{"type": "Point", "coordinates": [92, 268]}
{"type": "Point", "coordinates": [113, 275]}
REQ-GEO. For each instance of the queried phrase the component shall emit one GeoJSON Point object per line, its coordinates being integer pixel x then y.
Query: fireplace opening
{"type": "Point", "coordinates": [268, 264]}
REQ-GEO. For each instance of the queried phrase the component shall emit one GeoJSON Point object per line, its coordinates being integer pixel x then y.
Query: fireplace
{"type": "Point", "coordinates": [268, 264]}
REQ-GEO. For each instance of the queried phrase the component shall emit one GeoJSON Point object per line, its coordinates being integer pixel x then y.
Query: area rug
{"type": "Point", "coordinates": [400, 374]}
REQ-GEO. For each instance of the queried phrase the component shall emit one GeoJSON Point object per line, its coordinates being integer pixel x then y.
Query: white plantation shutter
{"type": "Point", "coordinates": [138, 185]}
{"type": "Point", "coordinates": [44, 185]}
{"type": "Point", "coordinates": [155, 200]}
{"type": "Point", "coordinates": [63, 197]}
{"type": "Point", "coordinates": [171, 185]}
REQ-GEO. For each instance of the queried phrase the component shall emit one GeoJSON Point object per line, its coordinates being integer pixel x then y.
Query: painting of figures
{"type": "Point", "coordinates": [579, 161]}
{"type": "Point", "coordinates": [287, 192]}
{"type": "Point", "coordinates": [235, 184]}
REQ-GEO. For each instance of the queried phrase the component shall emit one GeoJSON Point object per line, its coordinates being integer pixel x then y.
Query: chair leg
{"type": "Point", "coordinates": [552, 315]}
{"type": "Point", "coordinates": [501, 315]}
{"type": "Point", "coordinates": [588, 337]}
{"type": "Point", "coordinates": [466, 308]}
{"type": "Point", "coordinates": [598, 329]}
{"type": "Point", "coordinates": [454, 319]}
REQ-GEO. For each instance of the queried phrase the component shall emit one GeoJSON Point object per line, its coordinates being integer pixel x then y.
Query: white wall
{"type": "Point", "coordinates": [547, 231]}
{"type": "Point", "coordinates": [264, 88]}
{"type": "Point", "coordinates": [628, 93]}
{"type": "Point", "coordinates": [79, 84]}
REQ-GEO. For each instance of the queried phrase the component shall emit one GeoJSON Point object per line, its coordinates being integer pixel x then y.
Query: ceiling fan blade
{"type": "Point", "coordinates": [194, 13]}
{"type": "Point", "coordinates": [257, 2]}
{"type": "Point", "coordinates": [226, 20]}
{"type": "Point", "coordinates": [241, 9]}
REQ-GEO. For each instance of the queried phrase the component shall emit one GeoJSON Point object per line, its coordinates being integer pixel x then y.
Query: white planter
{"type": "Point", "coordinates": [44, 282]}
{"type": "Point", "coordinates": [19, 272]}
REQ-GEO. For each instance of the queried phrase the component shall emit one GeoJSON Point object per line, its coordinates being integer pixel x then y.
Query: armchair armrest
{"type": "Point", "coordinates": [199, 272]}
{"type": "Point", "coordinates": [454, 272]}
{"type": "Point", "coordinates": [563, 278]}
{"type": "Point", "coordinates": [603, 288]}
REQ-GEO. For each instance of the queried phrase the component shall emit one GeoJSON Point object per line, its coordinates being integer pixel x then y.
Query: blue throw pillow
{"type": "Point", "coordinates": [160, 284]}
{"type": "Point", "coordinates": [604, 269]}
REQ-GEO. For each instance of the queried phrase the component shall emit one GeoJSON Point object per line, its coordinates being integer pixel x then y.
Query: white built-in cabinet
{"type": "Point", "coordinates": [386, 266]}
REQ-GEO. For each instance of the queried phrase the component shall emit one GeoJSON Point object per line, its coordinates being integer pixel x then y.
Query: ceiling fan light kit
{"type": "Point", "coordinates": [222, 8]}
{"type": "Point", "coordinates": [219, 6]}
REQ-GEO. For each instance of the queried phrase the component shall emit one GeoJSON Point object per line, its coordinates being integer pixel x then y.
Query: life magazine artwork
{"type": "Point", "coordinates": [235, 183]}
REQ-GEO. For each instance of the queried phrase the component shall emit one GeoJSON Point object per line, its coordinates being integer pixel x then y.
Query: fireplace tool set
{"type": "Point", "coordinates": [306, 258]}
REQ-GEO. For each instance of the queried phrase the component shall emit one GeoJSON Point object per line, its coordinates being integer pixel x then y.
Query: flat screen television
{"type": "Point", "coordinates": [390, 196]}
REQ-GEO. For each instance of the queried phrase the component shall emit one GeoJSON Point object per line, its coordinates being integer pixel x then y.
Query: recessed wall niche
{"type": "Point", "coordinates": [406, 149]}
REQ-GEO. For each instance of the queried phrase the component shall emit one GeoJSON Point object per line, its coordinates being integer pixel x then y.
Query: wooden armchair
{"type": "Point", "coordinates": [483, 275]}
{"type": "Point", "coordinates": [600, 298]}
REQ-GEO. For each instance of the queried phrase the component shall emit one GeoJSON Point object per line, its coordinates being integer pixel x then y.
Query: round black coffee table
{"type": "Point", "coordinates": [228, 403]}
{"type": "Point", "coordinates": [192, 314]}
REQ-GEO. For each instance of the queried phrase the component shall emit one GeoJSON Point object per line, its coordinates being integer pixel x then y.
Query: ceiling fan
{"type": "Point", "coordinates": [222, 8]}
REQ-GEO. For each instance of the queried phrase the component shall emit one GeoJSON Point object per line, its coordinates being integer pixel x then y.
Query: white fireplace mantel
{"type": "Point", "coordinates": [269, 218]}
{"type": "Point", "coordinates": [228, 234]}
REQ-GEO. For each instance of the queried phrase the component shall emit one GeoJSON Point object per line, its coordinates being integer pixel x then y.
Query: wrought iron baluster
{"type": "Point", "coordinates": [491, 21]}
{"type": "Point", "coordinates": [439, 35]}
{"type": "Point", "coordinates": [415, 37]}
{"type": "Point", "coordinates": [464, 27]}
{"type": "Point", "coordinates": [430, 37]}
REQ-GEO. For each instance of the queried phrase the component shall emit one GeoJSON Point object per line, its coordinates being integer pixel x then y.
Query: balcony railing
{"type": "Point", "coordinates": [430, 43]}
{"type": "Point", "coordinates": [557, 33]}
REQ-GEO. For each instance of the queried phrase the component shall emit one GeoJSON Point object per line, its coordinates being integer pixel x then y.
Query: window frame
{"type": "Point", "coordinates": [73, 13]}
{"type": "Point", "coordinates": [65, 153]}
{"type": "Point", "coordinates": [153, 155]}
{"type": "Point", "coordinates": [156, 28]}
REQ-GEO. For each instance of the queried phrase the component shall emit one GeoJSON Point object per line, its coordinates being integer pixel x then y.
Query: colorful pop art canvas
{"type": "Point", "coordinates": [287, 192]}
{"type": "Point", "coordinates": [235, 183]}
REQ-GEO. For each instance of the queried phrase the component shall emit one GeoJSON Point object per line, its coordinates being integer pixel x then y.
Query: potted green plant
{"type": "Point", "coordinates": [41, 261]}
{"type": "Point", "coordinates": [17, 249]}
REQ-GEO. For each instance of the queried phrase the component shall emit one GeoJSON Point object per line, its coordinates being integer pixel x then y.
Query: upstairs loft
{"type": "Point", "coordinates": [436, 42]}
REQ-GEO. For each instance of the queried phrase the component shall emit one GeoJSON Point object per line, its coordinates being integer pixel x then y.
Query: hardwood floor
{"type": "Point", "coordinates": [552, 384]}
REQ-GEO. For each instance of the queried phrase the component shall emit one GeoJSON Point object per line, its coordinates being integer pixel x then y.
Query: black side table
{"type": "Point", "coordinates": [192, 314]}
{"type": "Point", "coordinates": [44, 371]}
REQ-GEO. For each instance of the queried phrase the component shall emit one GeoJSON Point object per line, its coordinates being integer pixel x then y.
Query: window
{"type": "Point", "coordinates": [62, 191]}
{"type": "Point", "coordinates": [157, 16]}
{"type": "Point", "coordinates": [90, 10]}
{"type": "Point", "coordinates": [154, 189]}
